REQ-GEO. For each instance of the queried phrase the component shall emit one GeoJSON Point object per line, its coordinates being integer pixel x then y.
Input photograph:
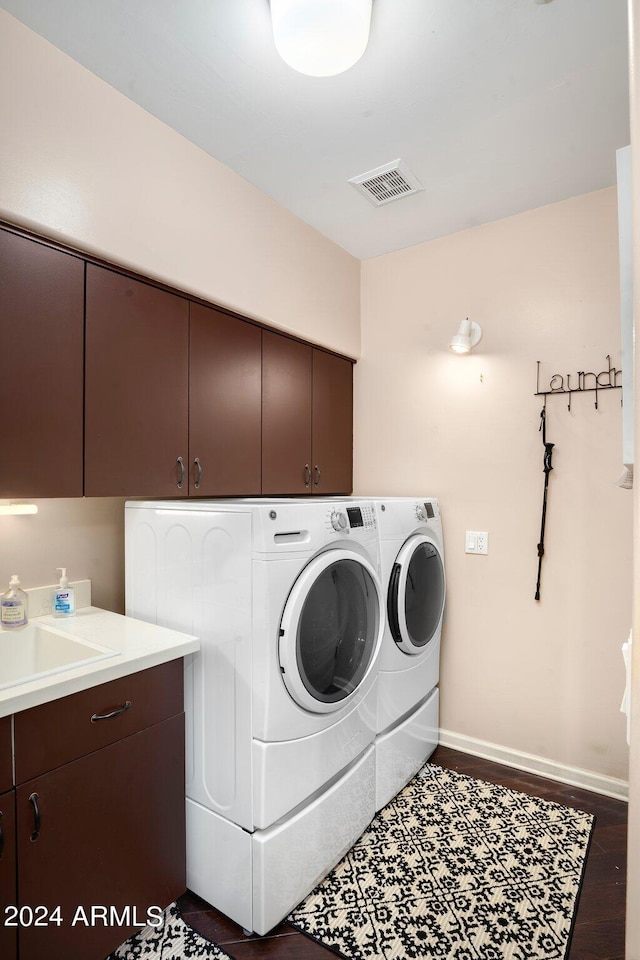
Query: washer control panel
{"type": "Point", "coordinates": [364, 515]}
{"type": "Point", "coordinates": [339, 520]}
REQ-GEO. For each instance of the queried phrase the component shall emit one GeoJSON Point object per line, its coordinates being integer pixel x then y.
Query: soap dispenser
{"type": "Point", "coordinates": [63, 601]}
{"type": "Point", "coordinates": [14, 605]}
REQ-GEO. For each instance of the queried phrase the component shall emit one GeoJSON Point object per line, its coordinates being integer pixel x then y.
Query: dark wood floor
{"type": "Point", "coordinates": [599, 928]}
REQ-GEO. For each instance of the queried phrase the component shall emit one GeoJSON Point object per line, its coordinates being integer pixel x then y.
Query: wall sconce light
{"type": "Point", "coordinates": [15, 509]}
{"type": "Point", "coordinates": [321, 37]}
{"type": "Point", "coordinates": [468, 336]}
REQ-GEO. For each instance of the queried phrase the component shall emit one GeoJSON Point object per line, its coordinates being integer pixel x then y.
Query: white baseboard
{"type": "Point", "coordinates": [608, 786]}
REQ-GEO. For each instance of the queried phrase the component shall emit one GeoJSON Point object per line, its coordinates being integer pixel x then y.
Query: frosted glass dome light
{"type": "Point", "coordinates": [321, 38]}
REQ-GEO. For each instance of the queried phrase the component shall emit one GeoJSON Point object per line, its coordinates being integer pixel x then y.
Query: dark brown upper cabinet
{"type": "Point", "coordinates": [286, 415]}
{"type": "Point", "coordinates": [41, 383]}
{"type": "Point", "coordinates": [224, 404]}
{"type": "Point", "coordinates": [137, 383]}
{"type": "Point", "coordinates": [307, 417]}
{"type": "Point", "coordinates": [332, 424]}
{"type": "Point", "coordinates": [120, 387]}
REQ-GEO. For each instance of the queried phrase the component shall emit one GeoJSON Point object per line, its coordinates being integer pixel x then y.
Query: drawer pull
{"type": "Point", "coordinates": [114, 713]}
{"type": "Point", "coordinates": [33, 800]}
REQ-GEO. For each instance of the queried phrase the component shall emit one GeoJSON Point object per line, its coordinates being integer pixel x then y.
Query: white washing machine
{"type": "Point", "coordinates": [281, 700]}
{"type": "Point", "coordinates": [413, 579]}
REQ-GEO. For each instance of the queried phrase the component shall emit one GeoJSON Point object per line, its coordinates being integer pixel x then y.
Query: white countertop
{"type": "Point", "coordinates": [139, 645]}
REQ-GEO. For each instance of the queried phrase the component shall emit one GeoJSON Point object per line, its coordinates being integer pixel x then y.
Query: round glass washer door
{"type": "Point", "coordinates": [331, 630]}
{"type": "Point", "coordinates": [415, 599]}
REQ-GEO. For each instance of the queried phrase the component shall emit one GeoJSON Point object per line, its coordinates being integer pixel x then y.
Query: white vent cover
{"type": "Point", "coordinates": [387, 183]}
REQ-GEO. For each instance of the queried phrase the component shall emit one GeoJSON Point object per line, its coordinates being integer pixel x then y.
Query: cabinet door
{"type": "Point", "coordinates": [57, 732]}
{"type": "Point", "coordinates": [224, 404]}
{"type": "Point", "coordinates": [41, 374]}
{"type": "Point", "coordinates": [6, 762]}
{"type": "Point", "coordinates": [136, 394]}
{"type": "Point", "coordinates": [332, 429]}
{"type": "Point", "coordinates": [286, 415]}
{"type": "Point", "coordinates": [7, 842]}
{"type": "Point", "coordinates": [8, 893]}
{"type": "Point", "coordinates": [112, 835]}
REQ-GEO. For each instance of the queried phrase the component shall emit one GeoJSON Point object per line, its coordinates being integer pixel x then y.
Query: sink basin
{"type": "Point", "coordinates": [36, 651]}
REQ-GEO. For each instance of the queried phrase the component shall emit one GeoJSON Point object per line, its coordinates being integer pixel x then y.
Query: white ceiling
{"type": "Point", "coordinates": [496, 106]}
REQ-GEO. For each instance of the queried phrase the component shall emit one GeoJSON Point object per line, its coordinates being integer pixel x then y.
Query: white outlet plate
{"type": "Point", "coordinates": [476, 541]}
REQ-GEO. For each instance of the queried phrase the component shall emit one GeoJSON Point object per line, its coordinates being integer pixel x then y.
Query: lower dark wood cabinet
{"type": "Point", "coordinates": [92, 837]}
{"type": "Point", "coordinates": [6, 763]}
{"type": "Point", "coordinates": [101, 841]}
{"type": "Point", "coordinates": [8, 893]}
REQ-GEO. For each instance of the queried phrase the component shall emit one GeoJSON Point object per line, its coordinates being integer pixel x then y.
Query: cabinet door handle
{"type": "Point", "coordinates": [198, 467]}
{"type": "Point", "coordinates": [1, 836]}
{"type": "Point", "coordinates": [307, 475]}
{"type": "Point", "coordinates": [180, 463]}
{"type": "Point", "coordinates": [316, 470]}
{"type": "Point", "coordinates": [33, 800]}
{"type": "Point", "coordinates": [114, 713]}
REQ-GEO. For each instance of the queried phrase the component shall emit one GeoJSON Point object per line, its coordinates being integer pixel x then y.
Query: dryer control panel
{"type": "Point", "coordinates": [425, 510]}
{"type": "Point", "coordinates": [346, 519]}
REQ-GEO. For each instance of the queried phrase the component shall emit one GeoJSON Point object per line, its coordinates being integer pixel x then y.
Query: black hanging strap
{"type": "Point", "coordinates": [548, 448]}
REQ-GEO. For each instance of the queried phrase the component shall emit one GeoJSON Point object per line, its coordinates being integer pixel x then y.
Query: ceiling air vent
{"type": "Point", "coordinates": [387, 183]}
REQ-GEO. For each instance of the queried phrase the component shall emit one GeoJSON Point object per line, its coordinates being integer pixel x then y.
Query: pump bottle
{"type": "Point", "coordinates": [14, 605]}
{"type": "Point", "coordinates": [63, 601]}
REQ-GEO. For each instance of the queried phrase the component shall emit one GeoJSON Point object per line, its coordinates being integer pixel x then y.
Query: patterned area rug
{"type": "Point", "coordinates": [454, 869]}
{"type": "Point", "coordinates": [175, 940]}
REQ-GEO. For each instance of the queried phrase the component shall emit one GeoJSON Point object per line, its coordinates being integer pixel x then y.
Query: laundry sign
{"type": "Point", "coordinates": [566, 385]}
{"type": "Point", "coordinates": [581, 381]}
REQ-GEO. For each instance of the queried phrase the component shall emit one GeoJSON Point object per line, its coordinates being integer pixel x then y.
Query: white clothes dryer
{"type": "Point", "coordinates": [281, 700]}
{"type": "Point", "coordinates": [413, 579]}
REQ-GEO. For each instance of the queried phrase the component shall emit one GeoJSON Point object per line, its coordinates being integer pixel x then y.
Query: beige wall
{"type": "Point", "coordinates": [633, 875]}
{"type": "Point", "coordinates": [84, 535]}
{"type": "Point", "coordinates": [82, 164]}
{"type": "Point", "coordinates": [543, 678]}
{"type": "Point", "coordinates": [79, 162]}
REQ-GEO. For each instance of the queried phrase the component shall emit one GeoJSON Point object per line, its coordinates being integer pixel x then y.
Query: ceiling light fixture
{"type": "Point", "coordinates": [468, 336]}
{"type": "Point", "coordinates": [321, 38]}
